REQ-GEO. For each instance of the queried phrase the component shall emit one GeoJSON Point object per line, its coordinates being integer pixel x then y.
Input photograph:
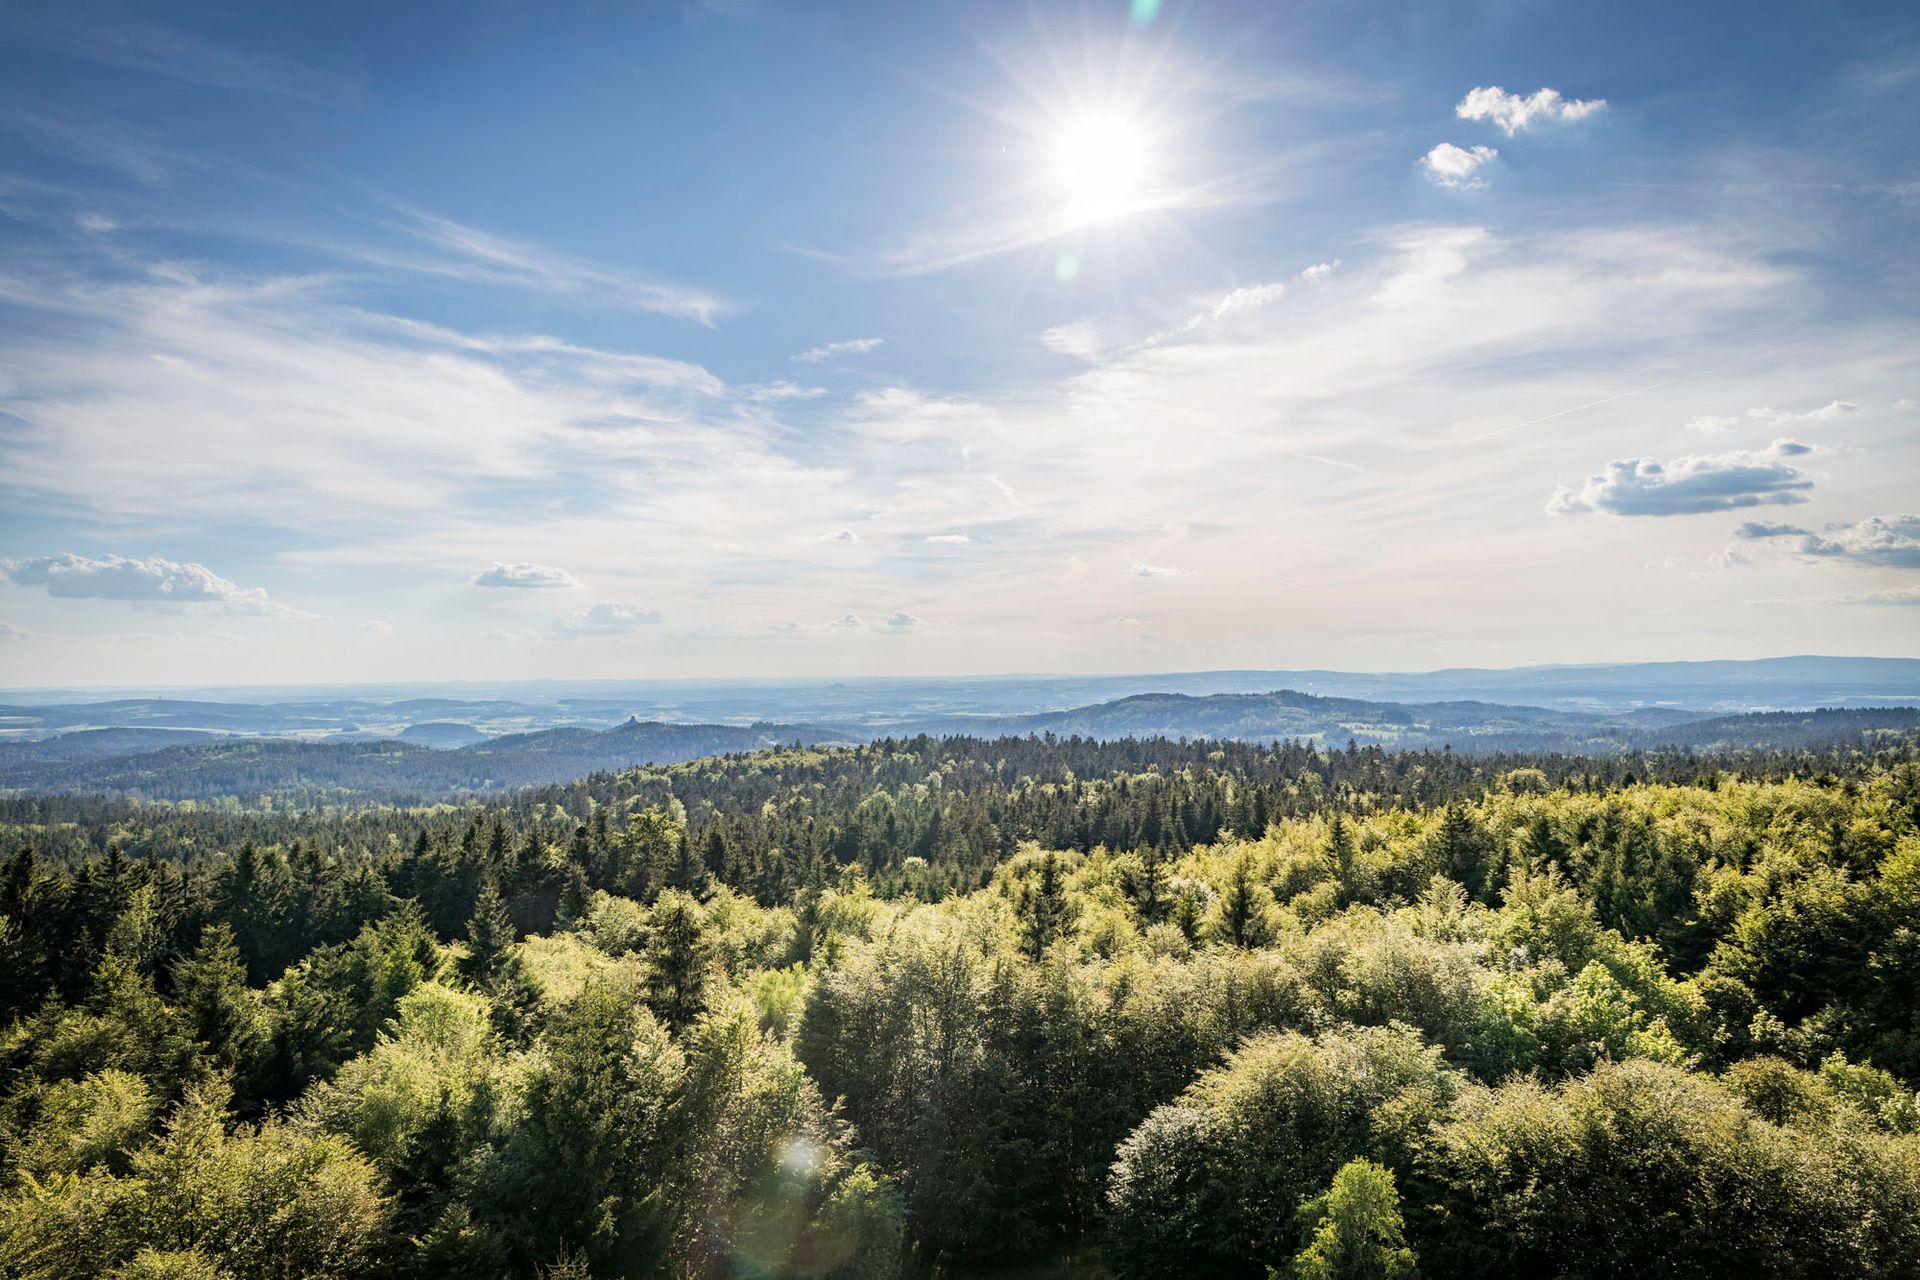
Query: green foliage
{"type": "Point", "coordinates": [1354, 1229]}
{"type": "Point", "coordinates": [1169, 1008]}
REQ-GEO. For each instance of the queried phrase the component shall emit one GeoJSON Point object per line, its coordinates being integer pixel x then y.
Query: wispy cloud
{"type": "Point", "coordinates": [831, 350]}
{"type": "Point", "coordinates": [606, 619]}
{"type": "Point", "coordinates": [1832, 411]}
{"type": "Point", "coordinates": [119, 37]}
{"type": "Point", "coordinates": [469, 253]}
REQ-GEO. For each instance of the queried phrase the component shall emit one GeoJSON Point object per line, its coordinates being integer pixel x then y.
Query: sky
{"type": "Point", "coordinates": [494, 340]}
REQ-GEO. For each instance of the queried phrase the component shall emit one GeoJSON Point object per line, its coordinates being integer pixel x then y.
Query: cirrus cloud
{"type": "Point", "coordinates": [828, 350]}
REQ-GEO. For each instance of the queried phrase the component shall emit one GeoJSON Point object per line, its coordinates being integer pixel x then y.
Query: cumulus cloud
{"type": "Point", "coordinates": [10, 632]}
{"type": "Point", "coordinates": [1880, 541]}
{"type": "Point", "coordinates": [828, 350]}
{"type": "Point", "coordinates": [1692, 484]}
{"type": "Point", "coordinates": [1456, 167]}
{"type": "Point", "coordinates": [148, 581]}
{"type": "Point", "coordinates": [522, 575]}
{"type": "Point", "coordinates": [1141, 569]}
{"type": "Point", "coordinates": [1321, 270]}
{"type": "Point", "coordinates": [951, 539]}
{"type": "Point", "coordinates": [1514, 113]}
{"type": "Point", "coordinates": [835, 535]}
{"type": "Point", "coordinates": [1766, 415]}
{"type": "Point", "coordinates": [848, 620]}
{"type": "Point", "coordinates": [605, 619]}
{"type": "Point", "coordinates": [901, 620]}
{"type": "Point", "coordinates": [378, 626]}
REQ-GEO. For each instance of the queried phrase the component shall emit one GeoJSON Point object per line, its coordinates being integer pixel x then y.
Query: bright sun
{"type": "Point", "coordinates": [1100, 162]}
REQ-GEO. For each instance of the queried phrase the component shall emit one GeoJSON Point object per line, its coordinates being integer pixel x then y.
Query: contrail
{"type": "Point", "coordinates": [1500, 431]}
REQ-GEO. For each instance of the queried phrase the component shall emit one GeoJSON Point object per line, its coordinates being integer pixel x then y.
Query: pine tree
{"type": "Point", "coordinates": [687, 873]}
{"type": "Point", "coordinates": [677, 957]}
{"type": "Point", "coordinates": [490, 938]}
{"type": "Point", "coordinates": [1243, 919]}
{"type": "Point", "coordinates": [1044, 908]}
{"type": "Point", "coordinates": [219, 1009]}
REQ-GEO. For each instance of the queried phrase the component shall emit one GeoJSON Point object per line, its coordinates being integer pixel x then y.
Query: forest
{"type": "Point", "coordinates": [980, 1007]}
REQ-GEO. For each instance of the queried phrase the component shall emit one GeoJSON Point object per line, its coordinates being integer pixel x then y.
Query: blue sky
{"type": "Point", "coordinates": [491, 340]}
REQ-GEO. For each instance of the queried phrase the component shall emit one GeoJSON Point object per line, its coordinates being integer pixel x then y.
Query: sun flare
{"type": "Point", "coordinates": [1101, 163]}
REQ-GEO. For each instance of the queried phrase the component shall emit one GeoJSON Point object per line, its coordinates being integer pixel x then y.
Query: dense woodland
{"type": "Point", "coordinates": [955, 1006]}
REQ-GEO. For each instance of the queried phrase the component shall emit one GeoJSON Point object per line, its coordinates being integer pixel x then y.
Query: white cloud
{"type": "Point", "coordinates": [526, 576]}
{"type": "Point", "coordinates": [1240, 301]}
{"type": "Point", "coordinates": [1898, 596]}
{"type": "Point", "coordinates": [377, 626]}
{"type": "Point", "coordinates": [848, 620]}
{"type": "Point", "coordinates": [1514, 113]}
{"type": "Point", "coordinates": [1321, 270]}
{"type": "Point", "coordinates": [827, 351]}
{"type": "Point", "coordinates": [606, 619]}
{"type": "Point", "coordinates": [901, 620]}
{"type": "Point", "coordinates": [1766, 415]}
{"type": "Point", "coordinates": [951, 539]}
{"type": "Point", "coordinates": [1078, 338]}
{"type": "Point", "coordinates": [835, 535]}
{"type": "Point", "coordinates": [1457, 167]}
{"type": "Point", "coordinates": [780, 391]}
{"type": "Point", "coordinates": [1692, 484]}
{"type": "Point", "coordinates": [1141, 569]}
{"type": "Point", "coordinates": [146, 581]}
{"type": "Point", "coordinates": [1880, 541]}
{"type": "Point", "coordinates": [488, 258]}
{"type": "Point", "coordinates": [10, 632]}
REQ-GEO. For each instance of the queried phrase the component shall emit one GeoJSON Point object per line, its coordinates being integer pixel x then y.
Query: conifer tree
{"type": "Point", "coordinates": [490, 938]}
{"type": "Point", "coordinates": [677, 956]}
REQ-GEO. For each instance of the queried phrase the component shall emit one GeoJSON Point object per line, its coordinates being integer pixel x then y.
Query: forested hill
{"type": "Point", "coordinates": [384, 770]}
{"type": "Point", "coordinates": [1286, 714]}
{"type": "Point", "coordinates": [974, 1008]}
{"type": "Point", "coordinates": [401, 770]}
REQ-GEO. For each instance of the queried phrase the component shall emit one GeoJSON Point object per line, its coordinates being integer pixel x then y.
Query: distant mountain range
{"type": "Point", "coordinates": [436, 759]}
{"type": "Point", "coordinates": [1706, 688]}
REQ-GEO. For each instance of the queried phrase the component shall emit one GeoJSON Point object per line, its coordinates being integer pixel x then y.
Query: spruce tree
{"type": "Point", "coordinates": [677, 956]}
{"type": "Point", "coordinates": [490, 938]}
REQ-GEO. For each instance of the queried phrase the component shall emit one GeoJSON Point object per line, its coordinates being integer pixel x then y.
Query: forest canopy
{"type": "Point", "coordinates": [951, 1004]}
